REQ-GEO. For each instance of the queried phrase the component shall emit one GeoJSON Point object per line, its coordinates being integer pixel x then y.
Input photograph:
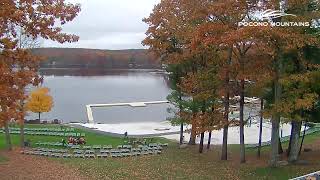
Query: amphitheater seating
{"type": "Point", "coordinates": [61, 132]}
{"type": "Point", "coordinates": [97, 151]}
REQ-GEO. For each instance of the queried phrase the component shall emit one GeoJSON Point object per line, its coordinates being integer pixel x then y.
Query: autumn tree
{"type": "Point", "coordinates": [37, 19]}
{"type": "Point", "coordinates": [249, 43]}
{"type": "Point", "coordinates": [190, 31]}
{"type": "Point", "coordinates": [169, 34]}
{"type": "Point", "coordinates": [300, 92]}
{"type": "Point", "coordinates": [217, 31]}
{"type": "Point", "coordinates": [202, 87]}
{"type": "Point", "coordinates": [282, 40]}
{"type": "Point", "coordinates": [303, 91]}
{"type": "Point", "coordinates": [40, 101]}
{"type": "Point", "coordinates": [210, 32]}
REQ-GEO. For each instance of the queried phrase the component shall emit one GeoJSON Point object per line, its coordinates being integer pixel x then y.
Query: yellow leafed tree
{"type": "Point", "coordinates": [39, 101]}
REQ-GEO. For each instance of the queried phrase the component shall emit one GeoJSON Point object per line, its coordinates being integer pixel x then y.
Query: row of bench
{"type": "Point", "coordinates": [59, 144]}
{"type": "Point", "coordinates": [97, 147]}
{"type": "Point", "coordinates": [44, 133]}
{"type": "Point", "coordinates": [100, 155]}
{"type": "Point", "coordinates": [118, 147]}
{"type": "Point", "coordinates": [93, 151]}
{"type": "Point", "coordinates": [43, 129]}
{"type": "Point", "coordinates": [116, 151]}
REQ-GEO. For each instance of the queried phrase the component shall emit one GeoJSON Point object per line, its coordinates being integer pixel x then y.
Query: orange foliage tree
{"type": "Point", "coordinates": [18, 67]}
{"type": "Point", "coordinates": [39, 101]}
{"type": "Point", "coordinates": [181, 30]}
{"type": "Point", "coordinates": [170, 36]}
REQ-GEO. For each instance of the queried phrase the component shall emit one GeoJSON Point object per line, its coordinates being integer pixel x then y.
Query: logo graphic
{"type": "Point", "coordinates": [265, 19]}
{"type": "Point", "coordinates": [272, 14]}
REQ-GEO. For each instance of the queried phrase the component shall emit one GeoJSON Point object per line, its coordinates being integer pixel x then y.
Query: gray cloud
{"type": "Point", "coordinates": [108, 24]}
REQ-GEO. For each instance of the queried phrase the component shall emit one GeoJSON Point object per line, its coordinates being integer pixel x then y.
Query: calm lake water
{"type": "Point", "coordinates": [73, 89]}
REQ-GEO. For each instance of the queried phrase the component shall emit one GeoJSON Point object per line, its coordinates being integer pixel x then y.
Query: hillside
{"type": "Point", "coordinates": [94, 58]}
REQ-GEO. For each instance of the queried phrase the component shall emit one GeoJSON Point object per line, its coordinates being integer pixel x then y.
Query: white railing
{"type": "Point", "coordinates": [306, 176]}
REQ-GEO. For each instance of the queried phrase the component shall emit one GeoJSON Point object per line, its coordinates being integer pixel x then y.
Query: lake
{"type": "Point", "coordinates": [72, 89]}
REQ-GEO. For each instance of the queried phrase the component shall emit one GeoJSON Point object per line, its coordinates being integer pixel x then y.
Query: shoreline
{"type": "Point", "coordinates": [119, 134]}
{"type": "Point", "coordinates": [137, 130]}
{"type": "Point", "coordinates": [107, 69]}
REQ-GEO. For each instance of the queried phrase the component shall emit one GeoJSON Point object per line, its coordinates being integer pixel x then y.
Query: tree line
{"type": "Point", "coordinates": [94, 58]}
{"type": "Point", "coordinates": [215, 62]}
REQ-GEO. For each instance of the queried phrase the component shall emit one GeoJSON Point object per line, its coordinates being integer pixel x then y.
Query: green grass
{"type": "Point", "coordinates": [91, 137]}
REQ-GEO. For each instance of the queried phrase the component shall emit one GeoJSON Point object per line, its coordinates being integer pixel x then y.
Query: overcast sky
{"type": "Point", "coordinates": [108, 24]}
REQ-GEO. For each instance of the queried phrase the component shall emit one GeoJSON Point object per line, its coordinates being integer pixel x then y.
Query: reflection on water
{"type": "Point", "coordinates": [73, 89]}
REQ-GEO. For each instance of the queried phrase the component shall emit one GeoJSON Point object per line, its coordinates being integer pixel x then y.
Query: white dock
{"type": "Point", "coordinates": [132, 104]}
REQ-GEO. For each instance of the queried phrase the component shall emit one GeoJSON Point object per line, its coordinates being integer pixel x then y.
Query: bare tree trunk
{"type": "Point", "coordinates": [242, 148]}
{"type": "Point", "coordinates": [181, 125]}
{"type": "Point", "coordinates": [260, 128]}
{"type": "Point", "coordinates": [280, 149]}
{"type": "Point", "coordinates": [276, 117]}
{"type": "Point", "coordinates": [193, 135]}
{"type": "Point", "coordinates": [304, 133]}
{"type": "Point", "coordinates": [201, 142]}
{"type": "Point", "coordinates": [192, 140]}
{"type": "Point", "coordinates": [224, 151]}
{"type": "Point", "coordinates": [295, 135]}
{"type": "Point", "coordinates": [210, 132]}
{"type": "Point", "coordinates": [209, 140]}
{"type": "Point", "coordinates": [181, 133]}
{"type": "Point", "coordinates": [39, 115]}
{"type": "Point", "coordinates": [290, 140]}
{"type": "Point", "coordinates": [22, 138]}
{"type": "Point", "coordinates": [274, 141]}
{"type": "Point", "coordinates": [22, 135]}
{"type": "Point", "coordinates": [7, 136]}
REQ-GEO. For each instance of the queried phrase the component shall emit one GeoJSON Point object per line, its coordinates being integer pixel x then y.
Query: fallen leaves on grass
{"type": "Point", "coordinates": [23, 167]}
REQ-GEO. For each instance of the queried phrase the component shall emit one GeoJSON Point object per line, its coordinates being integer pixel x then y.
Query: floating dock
{"type": "Point", "coordinates": [131, 104]}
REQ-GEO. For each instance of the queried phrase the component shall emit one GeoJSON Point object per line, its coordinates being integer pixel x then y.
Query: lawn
{"type": "Point", "coordinates": [175, 163]}
{"type": "Point", "coordinates": [187, 163]}
{"type": "Point", "coordinates": [91, 137]}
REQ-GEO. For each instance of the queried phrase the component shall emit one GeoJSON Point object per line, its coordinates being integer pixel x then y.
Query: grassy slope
{"type": "Point", "coordinates": [91, 138]}
{"type": "Point", "coordinates": [188, 164]}
{"type": "Point", "coordinates": [285, 172]}
{"type": "Point", "coordinates": [177, 163]}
